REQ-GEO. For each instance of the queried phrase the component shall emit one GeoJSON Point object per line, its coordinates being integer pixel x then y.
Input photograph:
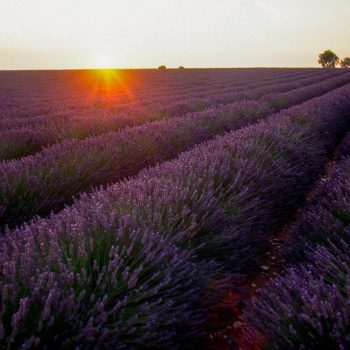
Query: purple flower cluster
{"type": "Point", "coordinates": [309, 306]}
{"type": "Point", "coordinates": [144, 99]}
{"type": "Point", "coordinates": [30, 95]}
{"type": "Point", "coordinates": [32, 135]}
{"type": "Point", "coordinates": [326, 218]}
{"type": "Point", "coordinates": [44, 182]}
{"type": "Point", "coordinates": [127, 265]}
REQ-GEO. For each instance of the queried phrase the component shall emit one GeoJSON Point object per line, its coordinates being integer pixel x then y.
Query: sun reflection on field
{"type": "Point", "coordinates": [109, 80]}
{"type": "Point", "coordinates": [109, 85]}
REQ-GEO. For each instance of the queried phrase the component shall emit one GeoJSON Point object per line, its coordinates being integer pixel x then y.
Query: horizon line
{"type": "Point", "coordinates": [157, 68]}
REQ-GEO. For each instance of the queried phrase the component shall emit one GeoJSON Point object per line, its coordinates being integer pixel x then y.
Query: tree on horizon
{"type": "Point", "coordinates": [345, 62]}
{"type": "Point", "coordinates": [328, 59]}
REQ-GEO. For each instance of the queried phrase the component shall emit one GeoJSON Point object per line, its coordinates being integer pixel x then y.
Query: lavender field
{"type": "Point", "coordinates": [175, 209]}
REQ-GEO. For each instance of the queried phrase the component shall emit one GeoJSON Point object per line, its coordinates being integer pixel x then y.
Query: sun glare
{"type": "Point", "coordinates": [107, 80]}
{"type": "Point", "coordinates": [103, 61]}
{"type": "Point", "coordinates": [108, 84]}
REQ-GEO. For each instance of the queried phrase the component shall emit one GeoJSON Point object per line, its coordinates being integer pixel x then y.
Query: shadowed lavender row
{"type": "Point", "coordinates": [327, 215]}
{"type": "Point", "coordinates": [46, 181]}
{"type": "Point", "coordinates": [16, 143]}
{"type": "Point", "coordinates": [126, 266]}
{"type": "Point", "coordinates": [309, 306]}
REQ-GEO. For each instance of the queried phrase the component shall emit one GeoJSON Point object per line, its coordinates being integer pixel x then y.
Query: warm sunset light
{"type": "Point", "coordinates": [42, 34]}
{"type": "Point", "coordinates": [174, 174]}
{"type": "Point", "coordinates": [103, 61]}
{"type": "Point", "coordinates": [108, 83]}
{"type": "Point", "coordinates": [106, 77]}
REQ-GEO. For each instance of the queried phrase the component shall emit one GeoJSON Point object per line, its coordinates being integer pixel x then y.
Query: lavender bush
{"type": "Point", "coordinates": [29, 139]}
{"type": "Point", "coordinates": [326, 217]}
{"type": "Point", "coordinates": [97, 288]}
{"type": "Point", "coordinates": [126, 265]}
{"type": "Point", "coordinates": [59, 91]}
{"type": "Point", "coordinates": [50, 179]}
{"type": "Point", "coordinates": [308, 308]}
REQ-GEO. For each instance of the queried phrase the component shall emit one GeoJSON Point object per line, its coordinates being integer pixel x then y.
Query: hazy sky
{"type": "Point", "coordinates": [41, 34]}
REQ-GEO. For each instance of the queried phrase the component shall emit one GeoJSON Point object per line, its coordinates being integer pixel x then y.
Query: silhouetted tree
{"type": "Point", "coordinates": [328, 59]}
{"type": "Point", "coordinates": [345, 62]}
{"type": "Point", "coordinates": [162, 67]}
{"type": "Point", "coordinates": [181, 67]}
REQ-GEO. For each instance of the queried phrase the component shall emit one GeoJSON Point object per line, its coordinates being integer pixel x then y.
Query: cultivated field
{"type": "Point", "coordinates": [188, 208]}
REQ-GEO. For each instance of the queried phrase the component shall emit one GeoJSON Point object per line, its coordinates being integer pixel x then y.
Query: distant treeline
{"type": "Point", "coordinates": [329, 59]}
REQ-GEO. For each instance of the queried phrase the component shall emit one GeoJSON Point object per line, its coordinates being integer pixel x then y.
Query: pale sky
{"type": "Point", "coordinates": [51, 34]}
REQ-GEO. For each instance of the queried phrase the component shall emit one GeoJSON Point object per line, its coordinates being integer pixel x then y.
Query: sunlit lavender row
{"type": "Point", "coordinates": [73, 96]}
{"type": "Point", "coordinates": [31, 94]}
{"type": "Point", "coordinates": [34, 117]}
{"type": "Point", "coordinates": [129, 265]}
{"type": "Point", "coordinates": [45, 116]}
{"type": "Point", "coordinates": [75, 123]}
{"type": "Point", "coordinates": [31, 134]}
{"type": "Point", "coordinates": [51, 178]}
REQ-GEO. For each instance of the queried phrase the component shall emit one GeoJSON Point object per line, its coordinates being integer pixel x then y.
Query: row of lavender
{"type": "Point", "coordinates": [55, 82]}
{"type": "Point", "coordinates": [16, 143]}
{"type": "Point", "coordinates": [71, 91]}
{"type": "Point", "coordinates": [197, 98]}
{"type": "Point", "coordinates": [27, 135]}
{"type": "Point", "coordinates": [259, 86]}
{"type": "Point", "coordinates": [127, 266]}
{"type": "Point", "coordinates": [309, 306]}
{"type": "Point", "coordinates": [156, 98]}
{"type": "Point", "coordinates": [44, 182]}
{"type": "Point", "coordinates": [238, 85]}
{"type": "Point", "coordinates": [88, 101]}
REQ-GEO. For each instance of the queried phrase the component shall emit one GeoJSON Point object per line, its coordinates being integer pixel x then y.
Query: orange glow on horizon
{"type": "Point", "coordinates": [108, 85]}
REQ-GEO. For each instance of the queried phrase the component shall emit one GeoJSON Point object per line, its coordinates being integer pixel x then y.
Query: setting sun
{"type": "Point", "coordinates": [41, 34]}
{"type": "Point", "coordinates": [103, 61]}
{"type": "Point", "coordinates": [174, 174]}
